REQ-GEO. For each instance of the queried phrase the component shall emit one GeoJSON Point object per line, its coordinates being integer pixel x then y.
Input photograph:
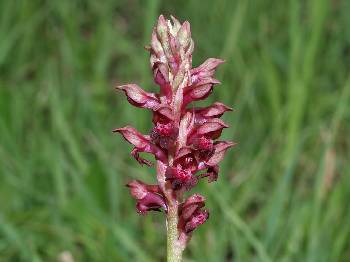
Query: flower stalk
{"type": "Point", "coordinates": [174, 248]}
{"type": "Point", "coordinates": [183, 139]}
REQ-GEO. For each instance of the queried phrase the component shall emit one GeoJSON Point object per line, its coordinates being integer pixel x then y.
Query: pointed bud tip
{"type": "Point", "coordinates": [161, 18]}
{"type": "Point", "coordinates": [216, 82]}
{"type": "Point", "coordinates": [227, 108]}
{"type": "Point", "coordinates": [175, 20]}
{"type": "Point", "coordinates": [121, 129]}
{"type": "Point", "coordinates": [186, 25]}
{"type": "Point", "coordinates": [162, 21]}
{"type": "Point", "coordinates": [220, 61]}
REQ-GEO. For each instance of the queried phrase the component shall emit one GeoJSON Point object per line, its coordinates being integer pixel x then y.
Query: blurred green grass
{"type": "Point", "coordinates": [283, 193]}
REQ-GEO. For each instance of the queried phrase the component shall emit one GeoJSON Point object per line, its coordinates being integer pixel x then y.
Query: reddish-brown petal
{"type": "Point", "coordinates": [150, 202]}
{"type": "Point", "coordinates": [197, 219]}
{"type": "Point", "coordinates": [133, 136]}
{"type": "Point", "coordinates": [180, 178]}
{"type": "Point", "coordinates": [183, 151]}
{"type": "Point", "coordinates": [211, 128]}
{"type": "Point", "coordinates": [203, 143]}
{"type": "Point", "coordinates": [215, 110]}
{"type": "Point", "coordinates": [207, 69]}
{"type": "Point", "coordinates": [199, 90]}
{"type": "Point", "coordinates": [219, 152]}
{"type": "Point", "coordinates": [164, 135]}
{"type": "Point", "coordinates": [163, 114]}
{"type": "Point", "coordinates": [140, 98]}
{"type": "Point", "coordinates": [192, 203]}
{"type": "Point", "coordinates": [149, 197]}
{"type": "Point", "coordinates": [185, 128]}
{"type": "Point", "coordinates": [139, 190]}
{"type": "Point", "coordinates": [142, 144]}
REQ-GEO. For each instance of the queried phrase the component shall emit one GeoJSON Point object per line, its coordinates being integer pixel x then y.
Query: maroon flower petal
{"type": "Point", "coordinates": [203, 143]}
{"type": "Point", "coordinates": [180, 178]}
{"type": "Point", "coordinates": [133, 136]}
{"type": "Point", "coordinates": [142, 144]}
{"type": "Point", "coordinates": [215, 110]}
{"type": "Point", "coordinates": [151, 202]}
{"type": "Point", "coordinates": [164, 135]}
{"type": "Point", "coordinates": [161, 74]}
{"type": "Point", "coordinates": [191, 205]}
{"type": "Point", "coordinates": [149, 197]}
{"type": "Point", "coordinates": [140, 98]}
{"type": "Point", "coordinates": [139, 190]}
{"type": "Point", "coordinates": [165, 112]}
{"type": "Point", "coordinates": [183, 151]}
{"type": "Point", "coordinates": [211, 128]}
{"type": "Point", "coordinates": [197, 219]}
{"type": "Point", "coordinates": [200, 90]}
{"type": "Point", "coordinates": [211, 125]}
{"type": "Point", "coordinates": [191, 215]}
{"type": "Point", "coordinates": [220, 149]}
{"type": "Point", "coordinates": [207, 69]}
{"type": "Point", "coordinates": [185, 128]}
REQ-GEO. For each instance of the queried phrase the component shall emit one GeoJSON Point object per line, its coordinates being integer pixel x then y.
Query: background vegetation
{"type": "Point", "coordinates": [283, 193]}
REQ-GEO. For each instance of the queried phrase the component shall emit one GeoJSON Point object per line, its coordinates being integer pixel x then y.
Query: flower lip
{"type": "Point", "coordinates": [203, 143]}
{"type": "Point", "coordinates": [180, 177]}
{"type": "Point", "coordinates": [164, 129]}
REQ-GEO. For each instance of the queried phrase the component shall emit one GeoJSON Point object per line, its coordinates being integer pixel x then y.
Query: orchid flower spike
{"type": "Point", "coordinates": [184, 138]}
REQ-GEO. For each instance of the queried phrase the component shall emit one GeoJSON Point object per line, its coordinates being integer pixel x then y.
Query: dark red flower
{"type": "Point", "coordinates": [180, 177]}
{"type": "Point", "coordinates": [191, 214]}
{"type": "Point", "coordinates": [142, 144]}
{"type": "Point", "coordinates": [149, 197]}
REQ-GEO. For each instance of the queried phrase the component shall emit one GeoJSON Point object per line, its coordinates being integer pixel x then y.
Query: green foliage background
{"type": "Point", "coordinates": [283, 192]}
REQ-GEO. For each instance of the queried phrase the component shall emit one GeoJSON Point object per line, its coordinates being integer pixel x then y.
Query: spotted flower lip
{"type": "Point", "coordinates": [183, 138]}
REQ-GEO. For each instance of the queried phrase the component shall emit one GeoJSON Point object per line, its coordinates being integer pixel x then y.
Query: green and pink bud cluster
{"type": "Point", "coordinates": [183, 139]}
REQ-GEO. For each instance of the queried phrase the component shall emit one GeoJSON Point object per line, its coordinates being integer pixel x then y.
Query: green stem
{"type": "Point", "coordinates": [174, 249]}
